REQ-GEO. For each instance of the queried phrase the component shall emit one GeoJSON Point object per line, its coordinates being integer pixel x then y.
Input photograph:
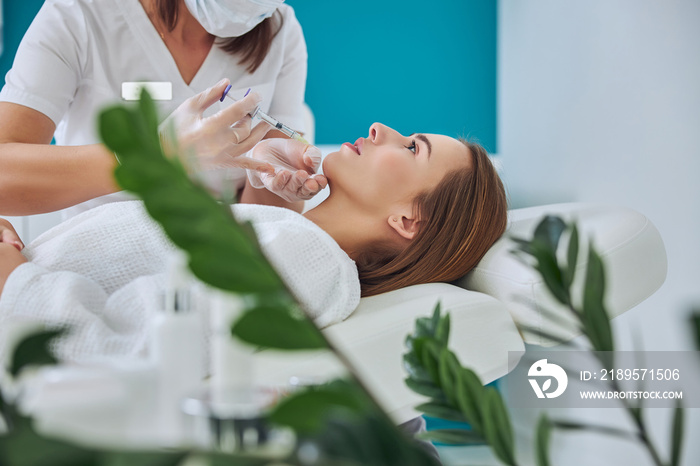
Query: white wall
{"type": "Point", "coordinates": [600, 101]}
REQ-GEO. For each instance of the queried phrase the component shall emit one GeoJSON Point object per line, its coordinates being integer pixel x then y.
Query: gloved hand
{"type": "Point", "coordinates": [220, 140]}
{"type": "Point", "coordinates": [295, 165]}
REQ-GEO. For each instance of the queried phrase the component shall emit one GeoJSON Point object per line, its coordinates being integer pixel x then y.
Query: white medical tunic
{"type": "Point", "coordinates": [76, 54]}
{"type": "Point", "coordinates": [102, 273]}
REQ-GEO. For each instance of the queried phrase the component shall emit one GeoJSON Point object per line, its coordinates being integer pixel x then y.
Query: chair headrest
{"type": "Point", "coordinates": [631, 247]}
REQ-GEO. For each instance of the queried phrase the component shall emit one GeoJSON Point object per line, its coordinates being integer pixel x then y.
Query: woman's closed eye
{"type": "Point", "coordinates": [412, 147]}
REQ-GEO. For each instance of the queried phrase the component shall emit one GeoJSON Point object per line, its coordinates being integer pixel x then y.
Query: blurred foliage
{"type": "Point", "coordinates": [33, 350]}
{"type": "Point", "coordinates": [695, 327]}
{"type": "Point", "coordinates": [455, 393]}
{"type": "Point", "coordinates": [542, 248]}
{"type": "Point", "coordinates": [594, 323]}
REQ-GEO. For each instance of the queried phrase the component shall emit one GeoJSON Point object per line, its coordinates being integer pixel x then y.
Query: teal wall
{"type": "Point", "coordinates": [17, 16]}
{"type": "Point", "coordinates": [415, 65]}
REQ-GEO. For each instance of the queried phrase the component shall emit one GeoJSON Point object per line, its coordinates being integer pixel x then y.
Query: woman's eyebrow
{"type": "Point", "coordinates": [425, 140]}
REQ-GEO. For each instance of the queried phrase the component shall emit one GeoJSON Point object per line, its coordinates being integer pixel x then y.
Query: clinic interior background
{"type": "Point", "coordinates": [593, 101]}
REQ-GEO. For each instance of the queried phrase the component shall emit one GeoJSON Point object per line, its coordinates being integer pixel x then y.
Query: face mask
{"type": "Point", "coordinates": [231, 18]}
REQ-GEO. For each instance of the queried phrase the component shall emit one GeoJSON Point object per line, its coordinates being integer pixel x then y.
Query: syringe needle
{"type": "Point", "coordinates": [268, 119]}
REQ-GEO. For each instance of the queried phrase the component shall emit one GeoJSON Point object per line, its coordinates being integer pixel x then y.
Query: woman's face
{"type": "Point", "coordinates": [387, 168]}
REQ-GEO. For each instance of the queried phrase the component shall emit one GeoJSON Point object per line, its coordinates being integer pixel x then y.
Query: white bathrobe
{"type": "Point", "coordinates": [102, 272]}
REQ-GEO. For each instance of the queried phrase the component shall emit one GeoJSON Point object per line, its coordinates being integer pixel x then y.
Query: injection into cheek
{"type": "Point", "coordinates": [278, 125]}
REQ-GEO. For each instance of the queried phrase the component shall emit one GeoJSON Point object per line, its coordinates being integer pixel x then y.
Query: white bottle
{"type": "Point", "coordinates": [177, 351]}
{"type": "Point", "coordinates": [231, 360]}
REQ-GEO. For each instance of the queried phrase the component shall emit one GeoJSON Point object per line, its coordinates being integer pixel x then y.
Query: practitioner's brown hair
{"type": "Point", "coordinates": [460, 220]}
{"type": "Point", "coordinates": [251, 46]}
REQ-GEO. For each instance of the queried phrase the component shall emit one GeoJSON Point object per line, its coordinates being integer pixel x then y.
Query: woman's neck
{"type": "Point", "coordinates": [187, 31]}
{"type": "Point", "coordinates": [351, 229]}
{"type": "Point", "coordinates": [189, 43]}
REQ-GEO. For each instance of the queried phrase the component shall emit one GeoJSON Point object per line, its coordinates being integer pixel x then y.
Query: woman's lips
{"type": "Point", "coordinates": [351, 147]}
{"type": "Point", "coordinates": [359, 144]}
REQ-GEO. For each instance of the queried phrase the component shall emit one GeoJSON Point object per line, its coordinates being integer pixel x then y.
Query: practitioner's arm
{"type": "Point", "coordinates": [37, 177]}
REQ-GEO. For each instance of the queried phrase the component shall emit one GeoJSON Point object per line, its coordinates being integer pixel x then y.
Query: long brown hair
{"type": "Point", "coordinates": [461, 219]}
{"type": "Point", "coordinates": [251, 46]}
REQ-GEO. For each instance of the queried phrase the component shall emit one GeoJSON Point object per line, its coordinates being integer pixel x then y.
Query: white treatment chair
{"type": "Point", "coordinates": [487, 307]}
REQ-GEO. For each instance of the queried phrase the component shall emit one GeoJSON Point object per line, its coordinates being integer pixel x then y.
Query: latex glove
{"type": "Point", "coordinates": [220, 140]}
{"type": "Point", "coordinates": [9, 235]}
{"type": "Point", "coordinates": [295, 165]}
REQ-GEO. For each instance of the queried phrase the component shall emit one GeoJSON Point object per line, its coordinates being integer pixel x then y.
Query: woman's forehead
{"type": "Point", "coordinates": [449, 149]}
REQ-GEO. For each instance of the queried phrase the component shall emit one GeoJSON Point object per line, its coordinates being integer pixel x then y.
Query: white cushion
{"type": "Point", "coordinates": [630, 246]}
{"type": "Point", "coordinates": [372, 338]}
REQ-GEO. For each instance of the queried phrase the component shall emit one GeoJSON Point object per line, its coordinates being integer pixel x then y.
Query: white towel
{"type": "Point", "coordinates": [101, 273]}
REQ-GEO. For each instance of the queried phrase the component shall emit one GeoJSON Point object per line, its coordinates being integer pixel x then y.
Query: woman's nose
{"type": "Point", "coordinates": [379, 133]}
{"type": "Point", "coordinates": [374, 132]}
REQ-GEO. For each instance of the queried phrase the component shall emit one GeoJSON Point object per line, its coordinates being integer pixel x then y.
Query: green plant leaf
{"type": "Point", "coordinates": [426, 389]}
{"type": "Point", "coordinates": [544, 430]}
{"type": "Point", "coordinates": [435, 320]}
{"type": "Point", "coordinates": [441, 411]}
{"type": "Point", "coordinates": [33, 350]}
{"type": "Point", "coordinates": [593, 316]}
{"type": "Point", "coordinates": [571, 258]}
{"type": "Point", "coordinates": [118, 129]}
{"type": "Point", "coordinates": [447, 377]}
{"type": "Point", "coordinates": [430, 356]}
{"type": "Point", "coordinates": [276, 327]}
{"type": "Point", "coordinates": [307, 411]}
{"type": "Point", "coordinates": [549, 231]}
{"type": "Point", "coordinates": [543, 247]}
{"type": "Point", "coordinates": [548, 335]}
{"type": "Point", "coordinates": [415, 369]}
{"type": "Point", "coordinates": [227, 459]}
{"type": "Point", "coordinates": [427, 326]}
{"type": "Point", "coordinates": [677, 434]}
{"type": "Point", "coordinates": [213, 266]}
{"type": "Point", "coordinates": [549, 269]}
{"type": "Point", "coordinates": [145, 458]}
{"type": "Point", "coordinates": [521, 245]}
{"type": "Point", "coordinates": [605, 430]}
{"type": "Point", "coordinates": [452, 436]}
{"type": "Point", "coordinates": [418, 343]}
{"type": "Point", "coordinates": [22, 446]}
{"type": "Point", "coordinates": [150, 120]}
{"type": "Point", "coordinates": [470, 392]}
{"type": "Point", "coordinates": [369, 441]}
{"type": "Point", "coordinates": [423, 328]}
{"type": "Point", "coordinates": [442, 330]}
{"type": "Point", "coordinates": [636, 412]}
{"type": "Point", "coordinates": [695, 326]}
{"type": "Point", "coordinates": [497, 428]}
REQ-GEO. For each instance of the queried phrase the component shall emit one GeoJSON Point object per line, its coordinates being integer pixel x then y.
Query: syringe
{"type": "Point", "coordinates": [268, 119]}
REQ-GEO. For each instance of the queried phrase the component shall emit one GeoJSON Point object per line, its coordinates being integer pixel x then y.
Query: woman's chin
{"type": "Point", "coordinates": [328, 164]}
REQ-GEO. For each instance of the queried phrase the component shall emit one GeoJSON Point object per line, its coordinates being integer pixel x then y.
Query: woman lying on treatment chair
{"type": "Point", "coordinates": [402, 210]}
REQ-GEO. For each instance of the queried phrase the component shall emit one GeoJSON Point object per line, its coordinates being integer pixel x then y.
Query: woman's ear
{"type": "Point", "coordinates": [404, 225]}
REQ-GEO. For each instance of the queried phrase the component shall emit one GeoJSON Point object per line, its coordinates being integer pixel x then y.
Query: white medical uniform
{"type": "Point", "coordinates": [77, 53]}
